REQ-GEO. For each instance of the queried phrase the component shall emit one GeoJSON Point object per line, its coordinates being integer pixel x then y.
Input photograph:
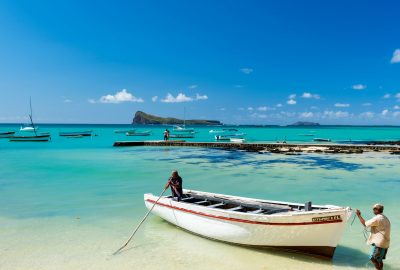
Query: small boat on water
{"type": "Point", "coordinates": [28, 129]}
{"type": "Point", "coordinates": [321, 140]}
{"type": "Point", "coordinates": [306, 228]}
{"type": "Point", "coordinates": [227, 137]}
{"type": "Point", "coordinates": [87, 133]}
{"type": "Point", "coordinates": [182, 135]}
{"type": "Point", "coordinates": [123, 131]}
{"type": "Point", "coordinates": [307, 135]}
{"type": "Point", "coordinates": [7, 134]}
{"type": "Point", "coordinates": [237, 140]}
{"type": "Point", "coordinates": [223, 130]}
{"type": "Point", "coordinates": [37, 137]}
{"type": "Point", "coordinates": [138, 133]}
{"type": "Point", "coordinates": [183, 129]}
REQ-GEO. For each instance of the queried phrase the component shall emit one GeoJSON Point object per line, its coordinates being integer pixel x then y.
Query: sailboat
{"type": "Point", "coordinates": [183, 128]}
{"type": "Point", "coordinates": [44, 137]}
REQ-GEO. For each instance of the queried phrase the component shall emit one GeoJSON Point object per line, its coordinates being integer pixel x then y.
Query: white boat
{"type": "Point", "coordinates": [182, 129]}
{"type": "Point", "coordinates": [313, 229]}
{"type": "Point", "coordinates": [227, 137]}
{"type": "Point", "coordinates": [182, 135]}
{"type": "Point", "coordinates": [37, 137]}
{"type": "Point", "coordinates": [237, 140]}
{"type": "Point", "coordinates": [321, 140]}
{"type": "Point", "coordinates": [28, 129]}
{"type": "Point", "coordinates": [138, 133]}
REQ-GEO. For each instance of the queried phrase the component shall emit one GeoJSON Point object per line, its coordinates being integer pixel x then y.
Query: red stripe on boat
{"type": "Point", "coordinates": [244, 220]}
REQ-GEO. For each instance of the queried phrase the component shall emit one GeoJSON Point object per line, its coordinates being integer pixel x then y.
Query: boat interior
{"type": "Point", "coordinates": [256, 207]}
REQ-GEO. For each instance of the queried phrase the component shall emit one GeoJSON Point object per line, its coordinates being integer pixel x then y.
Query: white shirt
{"type": "Point", "coordinates": [380, 231]}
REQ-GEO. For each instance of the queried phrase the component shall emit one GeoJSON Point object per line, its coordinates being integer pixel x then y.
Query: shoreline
{"type": "Point", "coordinates": [278, 148]}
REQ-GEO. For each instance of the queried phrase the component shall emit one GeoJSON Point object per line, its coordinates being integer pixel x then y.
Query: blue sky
{"type": "Point", "coordinates": [241, 62]}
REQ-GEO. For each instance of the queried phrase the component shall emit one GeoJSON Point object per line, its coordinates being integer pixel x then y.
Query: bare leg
{"type": "Point", "coordinates": [376, 264]}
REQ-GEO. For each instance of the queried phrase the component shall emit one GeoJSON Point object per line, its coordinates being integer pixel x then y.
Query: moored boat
{"type": "Point", "coordinates": [123, 131]}
{"type": "Point", "coordinates": [313, 229]}
{"type": "Point", "coordinates": [138, 133]}
{"type": "Point", "coordinates": [321, 140]}
{"type": "Point", "coordinates": [227, 137]}
{"type": "Point", "coordinates": [237, 140]}
{"type": "Point", "coordinates": [182, 135]}
{"type": "Point", "coordinates": [86, 133]}
{"type": "Point", "coordinates": [28, 129]}
{"type": "Point", "coordinates": [34, 138]}
{"type": "Point", "coordinates": [7, 134]}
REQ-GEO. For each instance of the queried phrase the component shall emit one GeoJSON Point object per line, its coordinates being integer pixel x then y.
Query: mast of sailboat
{"type": "Point", "coordinates": [184, 117]}
{"type": "Point", "coordinates": [30, 115]}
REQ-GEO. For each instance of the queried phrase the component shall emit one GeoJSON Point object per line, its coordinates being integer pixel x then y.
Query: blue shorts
{"type": "Point", "coordinates": [378, 253]}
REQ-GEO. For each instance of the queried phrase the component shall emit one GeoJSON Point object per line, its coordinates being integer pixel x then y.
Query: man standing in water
{"type": "Point", "coordinates": [379, 236]}
{"type": "Point", "coordinates": [175, 182]}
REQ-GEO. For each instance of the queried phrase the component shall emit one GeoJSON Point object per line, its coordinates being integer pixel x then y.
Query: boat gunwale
{"type": "Point", "coordinates": [333, 210]}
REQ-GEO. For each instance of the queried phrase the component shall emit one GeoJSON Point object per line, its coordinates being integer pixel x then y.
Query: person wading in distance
{"type": "Point", "coordinates": [379, 236]}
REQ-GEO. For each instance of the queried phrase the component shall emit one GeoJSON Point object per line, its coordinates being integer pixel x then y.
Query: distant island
{"type": "Point", "coordinates": [142, 118]}
{"type": "Point", "coordinates": [304, 124]}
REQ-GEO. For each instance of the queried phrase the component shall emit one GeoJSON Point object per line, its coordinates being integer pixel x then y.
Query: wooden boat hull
{"type": "Point", "coordinates": [7, 134]}
{"type": "Point", "coordinates": [38, 138]}
{"type": "Point", "coordinates": [144, 133]}
{"type": "Point", "coordinates": [76, 133]}
{"type": "Point", "coordinates": [314, 232]}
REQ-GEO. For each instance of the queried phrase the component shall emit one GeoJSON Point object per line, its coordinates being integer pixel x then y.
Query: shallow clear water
{"type": "Point", "coordinates": [70, 203]}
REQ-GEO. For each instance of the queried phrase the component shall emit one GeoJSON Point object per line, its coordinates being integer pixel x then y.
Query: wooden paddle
{"type": "Point", "coordinates": [141, 222]}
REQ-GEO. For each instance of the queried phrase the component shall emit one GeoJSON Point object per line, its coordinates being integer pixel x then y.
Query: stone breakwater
{"type": "Point", "coordinates": [279, 148]}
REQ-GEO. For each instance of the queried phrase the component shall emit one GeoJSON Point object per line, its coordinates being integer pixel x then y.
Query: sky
{"type": "Point", "coordinates": [240, 62]}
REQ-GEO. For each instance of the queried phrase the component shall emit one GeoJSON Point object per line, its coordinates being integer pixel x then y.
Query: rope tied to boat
{"type": "Point", "coordinates": [141, 222]}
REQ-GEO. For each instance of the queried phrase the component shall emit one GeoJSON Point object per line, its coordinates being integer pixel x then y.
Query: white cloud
{"type": "Point", "coordinates": [239, 86]}
{"type": "Point", "coordinates": [387, 96]}
{"type": "Point", "coordinates": [385, 112]}
{"type": "Point", "coordinates": [359, 86]}
{"type": "Point", "coordinates": [201, 97]}
{"type": "Point", "coordinates": [367, 104]}
{"type": "Point", "coordinates": [292, 96]}
{"type": "Point", "coordinates": [246, 70]}
{"type": "Point", "coordinates": [265, 108]}
{"type": "Point", "coordinates": [395, 57]}
{"type": "Point", "coordinates": [154, 99]}
{"type": "Point", "coordinates": [193, 86]}
{"type": "Point", "coordinates": [250, 108]}
{"type": "Point", "coordinates": [222, 109]}
{"type": "Point", "coordinates": [67, 100]}
{"type": "Point", "coordinates": [337, 114]}
{"type": "Point", "coordinates": [258, 115]}
{"type": "Point", "coordinates": [279, 105]}
{"type": "Point", "coordinates": [367, 114]}
{"type": "Point", "coordinates": [396, 114]}
{"type": "Point", "coordinates": [306, 115]}
{"type": "Point", "coordinates": [118, 97]}
{"type": "Point", "coordinates": [309, 95]}
{"type": "Point", "coordinates": [241, 109]}
{"type": "Point", "coordinates": [396, 107]}
{"type": "Point", "coordinates": [179, 98]}
{"type": "Point", "coordinates": [342, 105]}
{"type": "Point", "coordinates": [291, 102]}
{"type": "Point", "coordinates": [398, 96]}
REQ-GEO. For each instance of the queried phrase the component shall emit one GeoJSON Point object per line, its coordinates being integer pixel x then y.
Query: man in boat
{"type": "Point", "coordinates": [175, 182]}
{"type": "Point", "coordinates": [379, 236]}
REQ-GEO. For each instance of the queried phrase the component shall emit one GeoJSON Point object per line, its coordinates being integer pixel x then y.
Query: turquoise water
{"type": "Point", "coordinates": [70, 203]}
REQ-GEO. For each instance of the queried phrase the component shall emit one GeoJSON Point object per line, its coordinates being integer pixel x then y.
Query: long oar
{"type": "Point", "coordinates": [141, 222]}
